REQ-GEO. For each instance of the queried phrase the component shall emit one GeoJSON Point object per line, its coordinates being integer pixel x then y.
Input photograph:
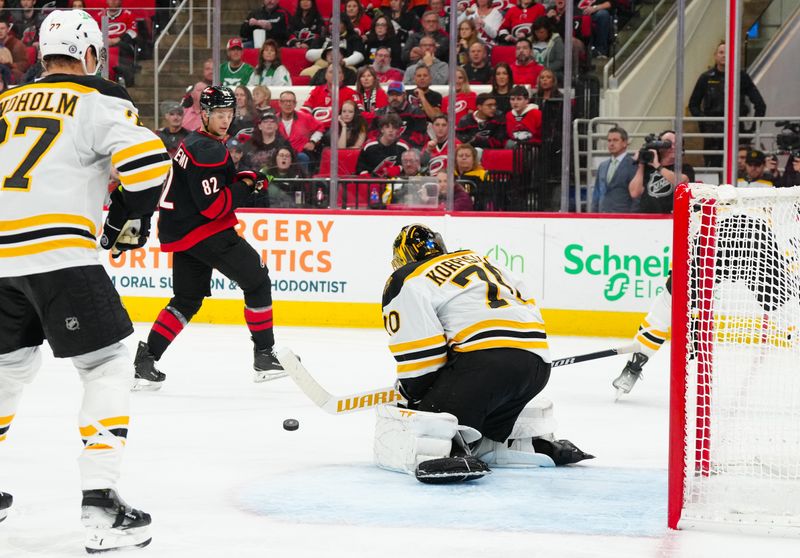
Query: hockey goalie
{"type": "Point", "coordinates": [471, 352]}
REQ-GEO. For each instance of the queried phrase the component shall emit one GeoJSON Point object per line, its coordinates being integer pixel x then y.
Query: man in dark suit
{"type": "Point", "coordinates": [611, 193]}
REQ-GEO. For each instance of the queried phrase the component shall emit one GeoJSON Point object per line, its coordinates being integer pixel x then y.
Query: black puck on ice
{"type": "Point", "coordinates": [291, 424]}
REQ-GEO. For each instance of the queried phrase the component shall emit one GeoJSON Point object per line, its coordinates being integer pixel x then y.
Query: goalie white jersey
{"type": "Point", "coordinates": [58, 139]}
{"type": "Point", "coordinates": [457, 302]}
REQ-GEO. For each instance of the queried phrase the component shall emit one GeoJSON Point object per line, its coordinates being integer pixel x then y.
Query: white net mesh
{"type": "Point", "coordinates": [743, 358]}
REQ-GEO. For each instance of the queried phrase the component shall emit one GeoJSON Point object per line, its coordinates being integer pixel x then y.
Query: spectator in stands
{"type": "Point", "coordinates": [434, 156]}
{"type": "Point", "coordinates": [319, 100]}
{"type": "Point", "coordinates": [305, 26]}
{"type": "Point", "coordinates": [261, 97]}
{"type": "Point", "coordinates": [317, 70]}
{"type": "Point", "coordinates": [191, 113]}
{"type": "Point", "coordinates": [245, 117]}
{"type": "Point", "coordinates": [383, 66]}
{"type": "Point", "coordinates": [654, 182]}
{"type": "Point", "coordinates": [412, 51]}
{"type": "Point", "coordinates": [755, 173]}
{"type": "Point", "coordinates": [404, 20]}
{"type": "Point", "coordinates": [414, 122]}
{"type": "Point", "coordinates": [423, 97]}
{"type": "Point", "coordinates": [264, 143]}
{"type": "Point", "coordinates": [502, 82]}
{"type": "Point", "coordinates": [122, 36]}
{"type": "Point", "coordinates": [300, 128]}
{"type": "Point", "coordinates": [791, 176]}
{"type": "Point", "coordinates": [557, 16]}
{"type": "Point", "coordinates": [487, 17]}
{"type": "Point", "coordinates": [437, 6]}
{"type": "Point", "coordinates": [352, 127]}
{"type": "Point", "coordinates": [273, 19]}
{"type": "Point", "coordinates": [469, 172]}
{"type": "Point", "coordinates": [173, 132]}
{"type": "Point", "coordinates": [235, 149]}
{"type": "Point", "coordinates": [546, 87]}
{"type": "Point", "coordinates": [438, 70]}
{"type": "Point", "coordinates": [19, 54]}
{"type": "Point", "coordinates": [548, 47]}
{"type": "Point", "coordinates": [741, 156]}
{"type": "Point", "coordinates": [284, 188]}
{"type": "Point", "coordinates": [411, 163]}
{"type": "Point", "coordinates": [381, 158]}
{"type": "Point", "coordinates": [5, 13]}
{"type": "Point", "coordinates": [708, 99]}
{"type": "Point", "coordinates": [350, 44]}
{"type": "Point", "coordinates": [5, 77]}
{"type": "Point", "coordinates": [523, 121]}
{"type": "Point", "coordinates": [235, 71]}
{"type": "Point", "coordinates": [354, 11]}
{"type": "Point", "coordinates": [5, 62]}
{"type": "Point", "coordinates": [771, 167]}
{"type": "Point", "coordinates": [611, 193]}
{"type": "Point", "coordinates": [518, 21]}
{"type": "Point", "coordinates": [269, 70]}
{"type": "Point", "coordinates": [27, 21]}
{"type": "Point", "coordinates": [208, 71]}
{"type": "Point", "coordinates": [525, 69]}
{"type": "Point", "coordinates": [482, 128]}
{"type": "Point", "coordinates": [599, 10]}
{"type": "Point", "coordinates": [467, 36]}
{"type": "Point", "coordinates": [465, 96]}
{"type": "Point", "coordinates": [370, 92]}
{"type": "Point", "coordinates": [477, 67]}
{"type": "Point", "coordinates": [461, 198]}
{"type": "Point", "coordinates": [382, 35]}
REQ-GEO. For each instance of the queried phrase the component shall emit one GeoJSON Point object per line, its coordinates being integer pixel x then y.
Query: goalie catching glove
{"type": "Point", "coordinates": [260, 180]}
{"type": "Point", "coordinates": [121, 233]}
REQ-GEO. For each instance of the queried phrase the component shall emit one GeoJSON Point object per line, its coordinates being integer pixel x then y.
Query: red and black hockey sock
{"type": "Point", "coordinates": [166, 327]}
{"type": "Point", "coordinates": [259, 322]}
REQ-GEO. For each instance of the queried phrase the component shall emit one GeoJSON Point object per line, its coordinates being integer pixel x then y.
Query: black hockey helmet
{"type": "Point", "coordinates": [217, 96]}
{"type": "Point", "coordinates": [416, 243]}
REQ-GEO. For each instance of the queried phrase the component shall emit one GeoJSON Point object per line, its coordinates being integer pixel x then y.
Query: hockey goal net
{"type": "Point", "coordinates": [735, 386]}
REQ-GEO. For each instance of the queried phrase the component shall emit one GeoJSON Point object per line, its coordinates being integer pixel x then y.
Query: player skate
{"type": "Point", "coordinates": [147, 377]}
{"type": "Point", "coordinates": [111, 523]}
{"type": "Point", "coordinates": [5, 503]}
{"type": "Point", "coordinates": [632, 372]}
{"type": "Point", "coordinates": [266, 365]}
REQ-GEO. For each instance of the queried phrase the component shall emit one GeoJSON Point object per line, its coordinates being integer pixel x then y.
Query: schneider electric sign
{"type": "Point", "coordinates": [624, 274]}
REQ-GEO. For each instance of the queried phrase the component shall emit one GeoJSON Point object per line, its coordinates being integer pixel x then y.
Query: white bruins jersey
{"type": "Point", "coordinates": [58, 139]}
{"type": "Point", "coordinates": [459, 302]}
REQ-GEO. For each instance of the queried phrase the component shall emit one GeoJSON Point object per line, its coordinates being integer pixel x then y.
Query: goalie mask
{"type": "Point", "coordinates": [71, 33]}
{"type": "Point", "coordinates": [416, 243]}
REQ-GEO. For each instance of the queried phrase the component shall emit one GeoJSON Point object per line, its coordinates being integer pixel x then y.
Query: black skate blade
{"type": "Point", "coordinates": [118, 548]}
{"type": "Point", "coordinates": [450, 470]}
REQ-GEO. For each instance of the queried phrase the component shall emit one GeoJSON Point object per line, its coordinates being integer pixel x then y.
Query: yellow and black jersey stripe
{"type": "Point", "coordinates": [495, 334]}
{"type": "Point", "coordinates": [143, 165]}
{"type": "Point", "coordinates": [95, 439]}
{"type": "Point", "coordinates": [650, 337]}
{"type": "Point", "coordinates": [5, 424]}
{"type": "Point", "coordinates": [416, 358]}
{"type": "Point", "coordinates": [41, 233]}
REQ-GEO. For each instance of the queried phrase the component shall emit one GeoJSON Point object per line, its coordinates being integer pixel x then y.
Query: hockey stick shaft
{"type": "Point", "coordinates": [338, 405]}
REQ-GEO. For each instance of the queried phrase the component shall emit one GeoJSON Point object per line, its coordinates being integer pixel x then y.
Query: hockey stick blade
{"type": "Point", "coordinates": [368, 399]}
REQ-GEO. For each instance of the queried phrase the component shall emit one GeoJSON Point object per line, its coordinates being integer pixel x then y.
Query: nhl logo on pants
{"type": "Point", "coordinates": [72, 323]}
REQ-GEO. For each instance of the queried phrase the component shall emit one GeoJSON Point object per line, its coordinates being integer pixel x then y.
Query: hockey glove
{"type": "Point", "coordinates": [260, 180]}
{"type": "Point", "coordinates": [119, 232]}
{"type": "Point", "coordinates": [134, 234]}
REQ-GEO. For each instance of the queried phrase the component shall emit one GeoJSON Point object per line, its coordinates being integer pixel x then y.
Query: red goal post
{"type": "Point", "coordinates": [734, 455]}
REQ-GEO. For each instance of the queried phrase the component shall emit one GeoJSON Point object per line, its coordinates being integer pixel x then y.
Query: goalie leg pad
{"type": "Point", "coordinates": [449, 470]}
{"type": "Point", "coordinates": [405, 438]}
{"type": "Point", "coordinates": [499, 454]}
{"type": "Point", "coordinates": [535, 421]}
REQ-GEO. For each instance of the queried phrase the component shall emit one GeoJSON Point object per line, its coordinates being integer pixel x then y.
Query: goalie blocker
{"type": "Point", "coordinates": [438, 450]}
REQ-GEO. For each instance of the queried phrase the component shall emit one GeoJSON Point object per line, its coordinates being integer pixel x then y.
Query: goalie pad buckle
{"type": "Point", "coordinates": [450, 470]}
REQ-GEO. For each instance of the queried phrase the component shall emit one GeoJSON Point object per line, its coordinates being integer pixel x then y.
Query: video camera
{"type": "Point", "coordinates": [788, 138]}
{"type": "Point", "coordinates": [651, 141]}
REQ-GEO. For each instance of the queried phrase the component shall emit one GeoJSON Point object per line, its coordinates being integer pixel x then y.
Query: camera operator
{"type": "Point", "coordinates": [655, 179]}
{"type": "Point", "coordinates": [791, 176]}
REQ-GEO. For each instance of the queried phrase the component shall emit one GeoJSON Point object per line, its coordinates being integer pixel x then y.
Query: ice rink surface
{"type": "Point", "coordinates": [207, 456]}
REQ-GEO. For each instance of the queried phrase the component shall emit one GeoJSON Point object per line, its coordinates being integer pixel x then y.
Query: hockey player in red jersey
{"type": "Point", "coordinates": [196, 223]}
{"type": "Point", "coordinates": [523, 121]}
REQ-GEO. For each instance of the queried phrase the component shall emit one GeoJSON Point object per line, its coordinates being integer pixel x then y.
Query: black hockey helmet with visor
{"type": "Point", "coordinates": [415, 243]}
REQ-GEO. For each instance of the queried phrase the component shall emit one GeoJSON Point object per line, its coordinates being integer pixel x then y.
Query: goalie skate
{"type": "Point", "coordinates": [630, 374]}
{"type": "Point", "coordinates": [111, 524]}
{"type": "Point", "coordinates": [147, 377]}
{"type": "Point", "coordinates": [5, 503]}
{"type": "Point", "coordinates": [266, 365]}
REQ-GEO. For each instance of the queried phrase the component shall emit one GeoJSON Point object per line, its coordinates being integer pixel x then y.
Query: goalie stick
{"type": "Point", "coordinates": [338, 405]}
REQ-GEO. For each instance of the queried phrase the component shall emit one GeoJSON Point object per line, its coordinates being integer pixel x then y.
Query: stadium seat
{"type": "Point", "coordinates": [250, 56]}
{"type": "Point", "coordinates": [32, 53]}
{"type": "Point", "coordinates": [347, 162]}
{"type": "Point", "coordinates": [295, 61]}
{"type": "Point", "coordinates": [288, 5]}
{"type": "Point", "coordinates": [498, 159]}
{"type": "Point", "coordinates": [507, 54]}
{"type": "Point", "coordinates": [140, 8]}
{"type": "Point", "coordinates": [325, 8]}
